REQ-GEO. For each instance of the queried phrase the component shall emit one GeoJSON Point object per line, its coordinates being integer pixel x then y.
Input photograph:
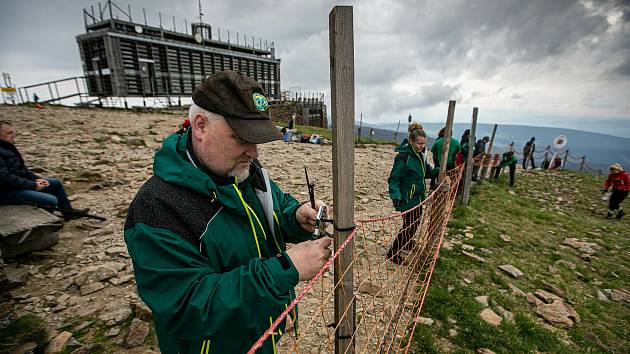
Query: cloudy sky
{"type": "Point", "coordinates": [556, 63]}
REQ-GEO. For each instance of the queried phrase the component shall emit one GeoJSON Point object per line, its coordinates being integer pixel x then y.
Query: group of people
{"type": "Point", "coordinates": [217, 246]}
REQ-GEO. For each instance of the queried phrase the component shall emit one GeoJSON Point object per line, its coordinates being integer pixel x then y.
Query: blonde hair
{"type": "Point", "coordinates": [415, 130]}
{"type": "Point", "coordinates": [414, 125]}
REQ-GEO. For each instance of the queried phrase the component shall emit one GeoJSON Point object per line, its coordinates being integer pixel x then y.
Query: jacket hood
{"type": "Point", "coordinates": [173, 165]}
{"type": "Point", "coordinates": [403, 147]}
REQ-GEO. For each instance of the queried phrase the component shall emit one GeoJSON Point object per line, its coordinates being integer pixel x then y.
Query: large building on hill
{"type": "Point", "coordinates": [124, 55]}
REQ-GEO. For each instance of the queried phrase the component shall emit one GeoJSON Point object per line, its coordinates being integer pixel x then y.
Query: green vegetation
{"type": "Point", "coordinates": [28, 328]}
{"type": "Point", "coordinates": [538, 215]}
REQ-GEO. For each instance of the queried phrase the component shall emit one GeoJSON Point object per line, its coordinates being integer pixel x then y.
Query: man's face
{"type": "Point", "coordinates": [7, 133]}
{"type": "Point", "coordinates": [220, 149]}
{"type": "Point", "coordinates": [419, 143]}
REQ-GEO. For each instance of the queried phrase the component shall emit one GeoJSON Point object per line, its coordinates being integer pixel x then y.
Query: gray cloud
{"type": "Point", "coordinates": [410, 55]}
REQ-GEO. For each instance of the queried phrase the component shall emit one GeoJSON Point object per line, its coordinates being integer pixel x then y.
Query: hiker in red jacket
{"type": "Point", "coordinates": [619, 180]}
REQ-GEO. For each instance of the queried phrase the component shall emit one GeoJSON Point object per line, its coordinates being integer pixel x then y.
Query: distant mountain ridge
{"type": "Point", "coordinates": [601, 150]}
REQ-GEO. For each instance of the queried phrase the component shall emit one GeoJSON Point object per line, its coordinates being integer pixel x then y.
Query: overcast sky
{"type": "Point", "coordinates": [544, 62]}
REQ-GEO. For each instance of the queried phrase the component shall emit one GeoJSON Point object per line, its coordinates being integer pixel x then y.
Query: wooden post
{"type": "Point", "coordinates": [564, 162]}
{"type": "Point", "coordinates": [446, 142]}
{"type": "Point", "coordinates": [582, 164]}
{"type": "Point", "coordinates": [396, 133]}
{"type": "Point", "coordinates": [469, 159]}
{"type": "Point", "coordinates": [495, 163]}
{"type": "Point", "coordinates": [341, 40]}
{"type": "Point", "coordinates": [484, 168]}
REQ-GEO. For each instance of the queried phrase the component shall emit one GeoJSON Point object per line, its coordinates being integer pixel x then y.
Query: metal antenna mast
{"type": "Point", "coordinates": [200, 13]}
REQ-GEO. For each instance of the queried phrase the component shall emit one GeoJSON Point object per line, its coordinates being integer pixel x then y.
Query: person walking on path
{"type": "Point", "coordinates": [528, 153]}
{"type": "Point", "coordinates": [619, 181]}
{"type": "Point", "coordinates": [510, 161]}
{"type": "Point", "coordinates": [407, 186]}
{"type": "Point", "coordinates": [208, 232]}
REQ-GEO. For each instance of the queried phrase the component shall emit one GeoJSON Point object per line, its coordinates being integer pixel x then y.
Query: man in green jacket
{"type": "Point", "coordinates": [407, 186]}
{"type": "Point", "coordinates": [509, 160]}
{"type": "Point", "coordinates": [453, 149]}
{"type": "Point", "coordinates": [207, 233]}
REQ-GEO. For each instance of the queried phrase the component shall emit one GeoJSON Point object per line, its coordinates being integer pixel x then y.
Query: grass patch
{"type": "Point", "coordinates": [28, 328]}
{"type": "Point", "coordinates": [537, 214]}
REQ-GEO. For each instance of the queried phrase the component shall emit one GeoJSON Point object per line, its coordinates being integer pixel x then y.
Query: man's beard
{"type": "Point", "coordinates": [239, 174]}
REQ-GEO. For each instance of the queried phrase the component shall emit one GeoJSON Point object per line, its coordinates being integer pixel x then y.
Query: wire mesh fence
{"type": "Point", "coordinates": [392, 264]}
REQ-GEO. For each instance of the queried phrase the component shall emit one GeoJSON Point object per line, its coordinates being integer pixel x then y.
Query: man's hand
{"type": "Point", "coordinates": [310, 256]}
{"type": "Point", "coordinates": [306, 215]}
{"type": "Point", "coordinates": [41, 184]}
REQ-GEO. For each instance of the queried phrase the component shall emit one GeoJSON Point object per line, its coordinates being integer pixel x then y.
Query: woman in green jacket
{"type": "Point", "coordinates": [407, 187]}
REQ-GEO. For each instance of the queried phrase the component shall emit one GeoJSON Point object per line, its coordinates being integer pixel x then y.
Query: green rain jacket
{"type": "Point", "coordinates": [407, 178]}
{"type": "Point", "coordinates": [205, 257]}
{"type": "Point", "coordinates": [506, 161]}
{"type": "Point", "coordinates": [453, 149]}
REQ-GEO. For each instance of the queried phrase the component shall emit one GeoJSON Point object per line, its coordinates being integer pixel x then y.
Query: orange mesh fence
{"type": "Point", "coordinates": [392, 264]}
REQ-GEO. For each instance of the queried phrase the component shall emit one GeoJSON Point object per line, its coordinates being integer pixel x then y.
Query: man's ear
{"type": "Point", "coordinates": [199, 126]}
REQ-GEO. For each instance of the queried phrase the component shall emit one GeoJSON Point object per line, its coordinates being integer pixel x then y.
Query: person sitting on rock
{"type": "Point", "coordinates": [619, 180]}
{"type": "Point", "coordinates": [19, 185]}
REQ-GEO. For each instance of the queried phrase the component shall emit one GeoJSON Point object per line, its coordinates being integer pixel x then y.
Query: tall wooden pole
{"type": "Point", "coordinates": [469, 159]}
{"type": "Point", "coordinates": [484, 168]}
{"type": "Point", "coordinates": [446, 142]}
{"type": "Point", "coordinates": [341, 39]}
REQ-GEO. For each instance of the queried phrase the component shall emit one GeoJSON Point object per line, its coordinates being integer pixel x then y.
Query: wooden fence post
{"type": "Point", "coordinates": [341, 41]}
{"type": "Point", "coordinates": [469, 159]}
{"type": "Point", "coordinates": [582, 164]}
{"type": "Point", "coordinates": [484, 168]}
{"type": "Point", "coordinates": [446, 142]}
{"type": "Point", "coordinates": [495, 162]}
{"type": "Point", "coordinates": [564, 162]}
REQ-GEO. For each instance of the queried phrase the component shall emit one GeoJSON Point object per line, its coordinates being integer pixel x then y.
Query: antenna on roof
{"type": "Point", "coordinates": [200, 13]}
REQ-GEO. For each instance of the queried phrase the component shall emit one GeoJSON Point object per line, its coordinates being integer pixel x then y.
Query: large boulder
{"type": "Point", "coordinates": [25, 229]}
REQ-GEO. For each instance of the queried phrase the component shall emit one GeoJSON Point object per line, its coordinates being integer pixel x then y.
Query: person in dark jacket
{"type": "Point", "coordinates": [528, 153]}
{"type": "Point", "coordinates": [18, 184]}
{"type": "Point", "coordinates": [208, 233]}
{"type": "Point", "coordinates": [407, 187]}
{"type": "Point", "coordinates": [480, 148]}
{"type": "Point", "coordinates": [509, 160]}
{"type": "Point", "coordinates": [465, 143]}
{"type": "Point", "coordinates": [619, 180]}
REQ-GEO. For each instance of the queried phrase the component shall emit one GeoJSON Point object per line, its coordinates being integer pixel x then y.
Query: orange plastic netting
{"type": "Point", "coordinates": [392, 265]}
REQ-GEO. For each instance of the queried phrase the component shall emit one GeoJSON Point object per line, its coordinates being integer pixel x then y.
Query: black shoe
{"type": "Point", "coordinates": [609, 215]}
{"type": "Point", "coordinates": [620, 214]}
{"type": "Point", "coordinates": [75, 214]}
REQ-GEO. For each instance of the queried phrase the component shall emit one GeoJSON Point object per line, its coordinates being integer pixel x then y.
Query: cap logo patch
{"type": "Point", "coordinates": [260, 102]}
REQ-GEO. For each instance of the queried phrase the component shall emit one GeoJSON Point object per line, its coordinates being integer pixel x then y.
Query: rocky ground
{"type": "Point", "coordinates": [84, 287]}
{"type": "Point", "coordinates": [535, 268]}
